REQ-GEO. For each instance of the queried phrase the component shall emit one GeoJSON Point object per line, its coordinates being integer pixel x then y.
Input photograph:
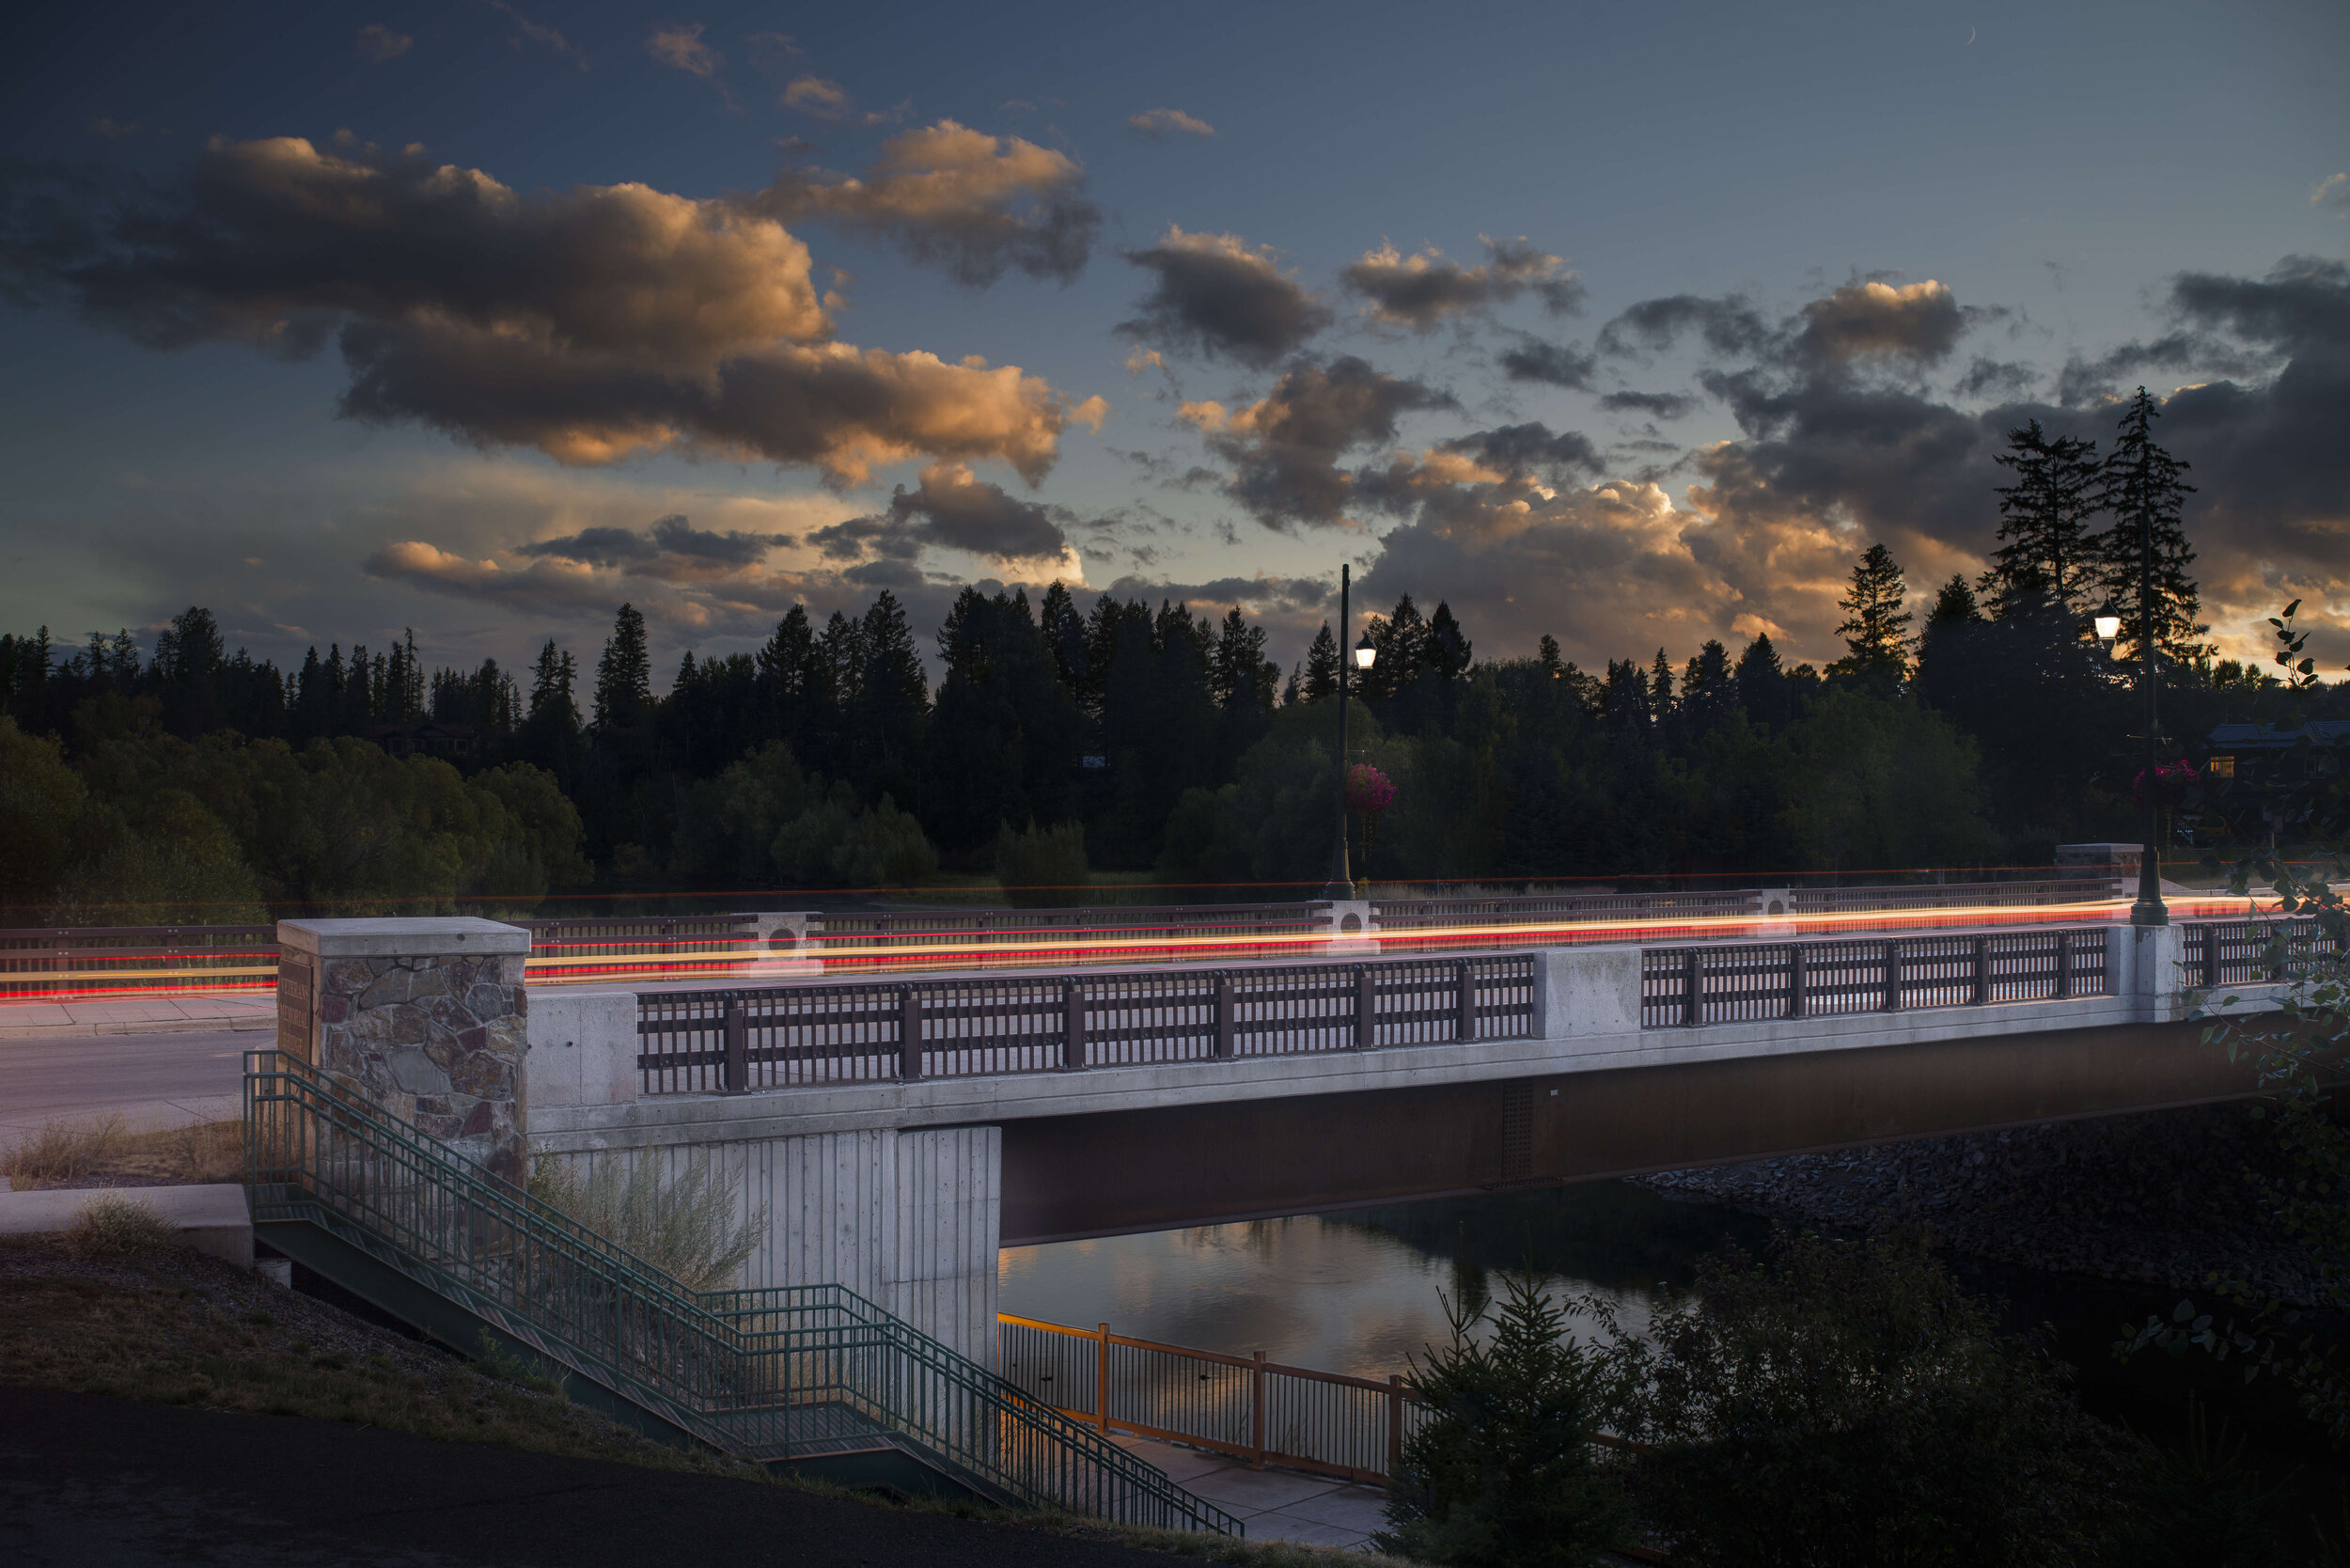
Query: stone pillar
{"type": "Point", "coordinates": [429, 1018]}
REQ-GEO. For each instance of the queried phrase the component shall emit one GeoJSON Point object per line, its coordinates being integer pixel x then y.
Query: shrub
{"type": "Point", "coordinates": [113, 1227]}
{"type": "Point", "coordinates": [62, 1150]}
{"type": "Point", "coordinates": [1504, 1473]}
{"type": "Point", "coordinates": [1846, 1403]}
{"type": "Point", "coordinates": [1044, 868]}
{"type": "Point", "coordinates": [688, 1224]}
{"type": "Point", "coordinates": [836, 843]}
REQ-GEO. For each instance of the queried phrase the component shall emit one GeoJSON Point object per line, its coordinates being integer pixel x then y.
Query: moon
{"type": "Point", "coordinates": [1970, 35]}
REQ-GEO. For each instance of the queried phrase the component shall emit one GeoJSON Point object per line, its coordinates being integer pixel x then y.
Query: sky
{"type": "Point", "coordinates": [1633, 326]}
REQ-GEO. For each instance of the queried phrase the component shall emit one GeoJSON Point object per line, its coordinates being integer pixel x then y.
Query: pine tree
{"type": "Point", "coordinates": [2043, 518]}
{"type": "Point", "coordinates": [1660, 686]}
{"type": "Point", "coordinates": [1762, 683]}
{"type": "Point", "coordinates": [1322, 666]}
{"type": "Point", "coordinates": [1064, 632]}
{"type": "Point", "coordinates": [1447, 652]}
{"type": "Point", "coordinates": [1237, 668]}
{"type": "Point", "coordinates": [1877, 627]}
{"type": "Point", "coordinates": [1546, 654]}
{"type": "Point", "coordinates": [551, 684]}
{"type": "Point", "coordinates": [2140, 488]}
{"type": "Point", "coordinates": [893, 670]}
{"type": "Point", "coordinates": [624, 672]}
{"type": "Point", "coordinates": [1955, 606]}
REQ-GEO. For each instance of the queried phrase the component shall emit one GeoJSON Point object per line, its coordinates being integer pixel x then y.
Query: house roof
{"type": "Point", "coordinates": [2244, 737]}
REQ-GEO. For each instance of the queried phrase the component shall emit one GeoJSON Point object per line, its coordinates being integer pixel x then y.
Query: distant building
{"type": "Point", "coordinates": [431, 737]}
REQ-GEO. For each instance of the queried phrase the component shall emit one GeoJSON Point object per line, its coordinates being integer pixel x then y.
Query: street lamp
{"type": "Point", "coordinates": [2148, 910]}
{"type": "Point", "coordinates": [1342, 884]}
{"type": "Point", "coordinates": [2109, 628]}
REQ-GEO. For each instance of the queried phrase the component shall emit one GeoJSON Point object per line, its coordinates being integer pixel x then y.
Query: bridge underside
{"type": "Point", "coordinates": [1114, 1172]}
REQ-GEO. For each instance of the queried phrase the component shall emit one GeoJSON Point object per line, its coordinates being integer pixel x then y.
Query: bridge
{"type": "Point", "coordinates": [891, 1133]}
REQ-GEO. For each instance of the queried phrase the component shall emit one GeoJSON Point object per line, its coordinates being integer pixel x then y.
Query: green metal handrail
{"type": "Point", "coordinates": [766, 1374]}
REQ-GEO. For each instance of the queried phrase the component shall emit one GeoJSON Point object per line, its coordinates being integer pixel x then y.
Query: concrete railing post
{"type": "Point", "coordinates": [1224, 1023]}
{"type": "Point", "coordinates": [738, 1063]}
{"type": "Point", "coordinates": [429, 1019]}
{"type": "Point", "coordinates": [909, 1033]}
{"type": "Point", "coordinates": [1366, 1009]}
{"type": "Point", "coordinates": [1072, 1025]}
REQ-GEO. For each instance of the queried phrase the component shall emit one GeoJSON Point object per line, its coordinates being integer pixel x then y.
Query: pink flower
{"type": "Point", "coordinates": [2171, 781]}
{"type": "Point", "coordinates": [1368, 789]}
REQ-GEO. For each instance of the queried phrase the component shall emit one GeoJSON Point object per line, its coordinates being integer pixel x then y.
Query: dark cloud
{"type": "Point", "coordinates": [1529, 448]}
{"type": "Point", "coordinates": [1731, 326]}
{"type": "Point", "coordinates": [1661, 405]}
{"type": "Point", "coordinates": [947, 194]}
{"type": "Point", "coordinates": [1421, 291]}
{"type": "Point", "coordinates": [1216, 294]}
{"type": "Point", "coordinates": [671, 540]}
{"type": "Point", "coordinates": [1273, 594]}
{"type": "Point", "coordinates": [546, 37]}
{"type": "Point", "coordinates": [592, 323]}
{"type": "Point", "coordinates": [2002, 380]}
{"type": "Point", "coordinates": [1552, 364]}
{"type": "Point", "coordinates": [379, 44]}
{"type": "Point", "coordinates": [1918, 323]}
{"type": "Point", "coordinates": [950, 509]}
{"type": "Point", "coordinates": [1284, 451]}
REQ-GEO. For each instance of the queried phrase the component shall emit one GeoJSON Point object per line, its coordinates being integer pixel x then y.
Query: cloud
{"type": "Point", "coordinates": [814, 95]}
{"type": "Point", "coordinates": [1216, 294]}
{"type": "Point", "coordinates": [379, 44]}
{"type": "Point", "coordinates": [114, 129]}
{"type": "Point", "coordinates": [546, 37]}
{"type": "Point", "coordinates": [1421, 291]}
{"type": "Point", "coordinates": [1920, 323]}
{"type": "Point", "coordinates": [2334, 192]}
{"type": "Point", "coordinates": [1284, 451]}
{"type": "Point", "coordinates": [1658, 405]}
{"type": "Point", "coordinates": [1159, 123]}
{"type": "Point", "coordinates": [590, 324]}
{"type": "Point", "coordinates": [1728, 326]}
{"type": "Point", "coordinates": [545, 586]}
{"type": "Point", "coordinates": [950, 509]}
{"type": "Point", "coordinates": [672, 537]}
{"type": "Point", "coordinates": [682, 47]}
{"type": "Point", "coordinates": [977, 204]}
{"type": "Point", "coordinates": [1551, 364]}
{"type": "Point", "coordinates": [2004, 379]}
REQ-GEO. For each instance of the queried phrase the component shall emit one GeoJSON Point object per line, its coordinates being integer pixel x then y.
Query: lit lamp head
{"type": "Point", "coordinates": [2109, 628]}
{"type": "Point", "coordinates": [1365, 655]}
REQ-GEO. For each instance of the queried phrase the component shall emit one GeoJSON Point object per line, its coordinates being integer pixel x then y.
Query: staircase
{"type": "Point", "coordinates": [791, 1377]}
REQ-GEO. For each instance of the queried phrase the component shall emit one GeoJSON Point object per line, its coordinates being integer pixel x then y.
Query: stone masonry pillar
{"type": "Point", "coordinates": [426, 1017]}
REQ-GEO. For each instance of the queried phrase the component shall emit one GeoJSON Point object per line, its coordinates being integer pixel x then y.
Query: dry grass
{"type": "Point", "coordinates": [112, 1227]}
{"type": "Point", "coordinates": [688, 1222]}
{"type": "Point", "coordinates": [103, 1149]}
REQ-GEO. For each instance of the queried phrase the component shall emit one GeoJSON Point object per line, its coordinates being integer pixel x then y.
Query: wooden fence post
{"type": "Point", "coordinates": [1102, 1384]}
{"type": "Point", "coordinates": [909, 1034]}
{"type": "Point", "coordinates": [1256, 1413]}
{"type": "Point", "coordinates": [1395, 1424]}
{"type": "Point", "coordinates": [1223, 1046]}
{"type": "Point", "coordinates": [738, 1062]}
{"type": "Point", "coordinates": [1073, 1038]}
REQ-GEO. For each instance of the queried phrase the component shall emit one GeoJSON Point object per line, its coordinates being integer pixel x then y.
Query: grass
{"type": "Point", "coordinates": [105, 1147]}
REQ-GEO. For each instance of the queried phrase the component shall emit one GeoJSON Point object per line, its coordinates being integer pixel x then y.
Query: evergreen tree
{"type": "Point", "coordinates": [624, 672]}
{"type": "Point", "coordinates": [2140, 487]}
{"type": "Point", "coordinates": [1064, 632]}
{"type": "Point", "coordinates": [1546, 654]}
{"type": "Point", "coordinates": [2045, 559]}
{"type": "Point", "coordinates": [1446, 652]}
{"type": "Point", "coordinates": [1660, 686]}
{"type": "Point", "coordinates": [1762, 683]}
{"type": "Point", "coordinates": [1876, 629]}
{"type": "Point", "coordinates": [1322, 666]}
{"type": "Point", "coordinates": [1238, 671]}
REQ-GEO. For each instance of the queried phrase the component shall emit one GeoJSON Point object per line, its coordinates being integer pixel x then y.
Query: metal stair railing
{"type": "Point", "coordinates": [764, 1374]}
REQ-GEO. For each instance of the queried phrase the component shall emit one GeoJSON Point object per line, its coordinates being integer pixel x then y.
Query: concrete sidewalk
{"type": "Point", "coordinates": [196, 1013]}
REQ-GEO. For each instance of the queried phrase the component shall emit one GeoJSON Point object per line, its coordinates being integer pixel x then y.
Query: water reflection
{"type": "Point", "coordinates": [1356, 1291]}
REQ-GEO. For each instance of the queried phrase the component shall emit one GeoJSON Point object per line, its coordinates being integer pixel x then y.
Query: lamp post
{"type": "Point", "coordinates": [2149, 909]}
{"type": "Point", "coordinates": [1342, 885]}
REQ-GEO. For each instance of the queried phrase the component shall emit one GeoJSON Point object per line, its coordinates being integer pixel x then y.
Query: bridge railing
{"type": "Point", "coordinates": [99, 961]}
{"type": "Point", "coordinates": [1751, 982]}
{"type": "Point", "coordinates": [2247, 953]}
{"type": "Point", "coordinates": [704, 1042]}
{"type": "Point", "coordinates": [764, 1375]}
{"type": "Point", "coordinates": [1027, 938]}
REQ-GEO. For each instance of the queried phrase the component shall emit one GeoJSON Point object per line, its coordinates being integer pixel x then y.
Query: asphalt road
{"type": "Point", "coordinates": [154, 1080]}
{"type": "Point", "coordinates": [87, 1482]}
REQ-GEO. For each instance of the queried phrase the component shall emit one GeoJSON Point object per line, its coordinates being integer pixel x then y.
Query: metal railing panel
{"type": "Point", "coordinates": [763, 1374]}
{"type": "Point", "coordinates": [1758, 983]}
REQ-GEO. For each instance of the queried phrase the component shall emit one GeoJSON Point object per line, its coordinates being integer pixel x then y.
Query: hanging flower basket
{"type": "Point", "coordinates": [2171, 782]}
{"type": "Point", "coordinates": [1368, 789]}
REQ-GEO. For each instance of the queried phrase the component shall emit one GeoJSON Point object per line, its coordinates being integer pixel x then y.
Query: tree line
{"type": "Point", "coordinates": [1162, 740]}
